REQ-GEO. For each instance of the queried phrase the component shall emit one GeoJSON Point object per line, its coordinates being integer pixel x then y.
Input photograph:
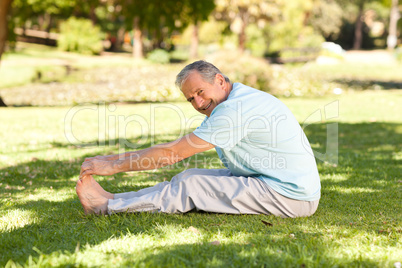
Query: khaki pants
{"type": "Point", "coordinates": [211, 190]}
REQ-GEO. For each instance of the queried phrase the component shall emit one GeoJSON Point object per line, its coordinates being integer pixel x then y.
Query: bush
{"type": "Point", "coordinates": [79, 35]}
{"type": "Point", "coordinates": [159, 56]}
{"type": "Point", "coordinates": [256, 40]}
{"type": "Point", "coordinates": [292, 81]}
{"type": "Point", "coordinates": [398, 54]}
{"type": "Point", "coordinates": [251, 71]}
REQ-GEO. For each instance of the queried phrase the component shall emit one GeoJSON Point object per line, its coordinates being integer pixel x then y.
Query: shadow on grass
{"type": "Point", "coordinates": [270, 253]}
{"type": "Point", "coordinates": [359, 195]}
{"type": "Point", "coordinates": [369, 84]}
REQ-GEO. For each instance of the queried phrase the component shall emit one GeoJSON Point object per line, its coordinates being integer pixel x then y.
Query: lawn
{"type": "Point", "coordinates": [358, 222]}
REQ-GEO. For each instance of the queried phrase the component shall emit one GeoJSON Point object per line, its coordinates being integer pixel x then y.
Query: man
{"type": "Point", "coordinates": [270, 167]}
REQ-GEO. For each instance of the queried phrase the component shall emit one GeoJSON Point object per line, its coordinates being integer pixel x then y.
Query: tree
{"type": "Point", "coordinates": [4, 10]}
{"type": "Point", "coordinates": [159, 18]}
{"type": "Point", "coordinates": [43, 11]}
{"type": "Point", "coordinates": [196, 11]}
{"type": "Point", "coordinates": [326, 18]}
{"type": "Point", "coordinates": [358, 39]}
{"type": "Point", "coordinates": [359, 22]}
{"type": "Point", "coordinates": [239, 13]}
{"type": "Point", "coordinates": [393, 22]}
{"type": "Point", "coordinates": [156, 17]}
{"type": "Point", "coordinates": [135, 13]}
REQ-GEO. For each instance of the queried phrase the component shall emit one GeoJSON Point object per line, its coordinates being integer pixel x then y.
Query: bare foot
{"type": "Point", "coordinates": [90, 180]}
{"type": "Point", "coordinates": [91, 199]}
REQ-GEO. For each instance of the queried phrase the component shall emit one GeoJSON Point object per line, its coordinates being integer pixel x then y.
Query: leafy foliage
{"type": "Point", "coordinates": [195, 10]}
{"type": "Point", "coordinates": [291, 31]}
{"type": "Point", "coordinates": [210, 32]}
{"type": "Point", "coordinates": [240, 13]}
{"type": "Point", "coordinates": [159, 56]}
{"type": "Point", "coordinates": [159, 18]}
{"type": "Point", "coordinates": [241, 67]}
{"type": "Point", "coordinates": [79, 35]}
{"type": "Point", "coordinates": [398, 53]}
{"type": "Point", "coordinates": [327, 18]}
{"type": "Point", "coordinates": [298, 82]}
{"type": "Point", "coordinates": [256, 40]}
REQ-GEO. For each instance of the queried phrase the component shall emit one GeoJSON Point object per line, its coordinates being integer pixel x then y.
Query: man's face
{"type": "Point", "coordinates": [204, 96]}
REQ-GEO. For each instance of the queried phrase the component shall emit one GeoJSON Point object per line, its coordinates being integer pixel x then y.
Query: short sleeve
{"type": "Point", "coordinates": [222, 129]}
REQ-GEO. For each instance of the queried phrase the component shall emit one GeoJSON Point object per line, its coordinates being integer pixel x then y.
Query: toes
{"type": "Point", "coordinates": [79, 183]}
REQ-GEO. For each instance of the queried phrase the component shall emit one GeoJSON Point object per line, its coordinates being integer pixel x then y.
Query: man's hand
{"type": "Point", "coordinates": [97, 167]}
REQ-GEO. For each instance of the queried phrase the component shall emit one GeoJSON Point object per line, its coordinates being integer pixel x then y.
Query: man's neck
{"type": "Point", "coordinates": [229, 87]}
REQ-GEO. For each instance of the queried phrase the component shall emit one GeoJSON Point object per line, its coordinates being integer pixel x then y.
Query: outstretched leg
{"type": "Point", "coordinates": [214, 191]}
{"type": "Point", "coordinates": [92, 196]}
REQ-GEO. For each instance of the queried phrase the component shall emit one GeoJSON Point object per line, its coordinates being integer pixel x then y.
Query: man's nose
{"type": "Point", "coordinates": [198, 101]}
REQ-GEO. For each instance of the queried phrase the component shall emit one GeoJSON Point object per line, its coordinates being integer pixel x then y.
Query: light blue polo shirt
{"type": "Point", "coordinates": [256, 135]}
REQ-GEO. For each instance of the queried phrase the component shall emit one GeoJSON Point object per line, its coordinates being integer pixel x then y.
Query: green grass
{"type": "Point", "coordinates": [357, 224]}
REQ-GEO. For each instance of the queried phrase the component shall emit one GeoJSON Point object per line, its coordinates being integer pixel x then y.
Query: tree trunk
{"type": "Point", "coordinates": [119, 39]}
{"type": "Point", "coordinates": [92, 15]}
{"type": "Point", "coordinates": [242, 39]}
{"type": "Point", "coordinates": [4, 9]}
{"type": "Point", "coordinates": [242, 35]}
{"type": "Point", "coordinates": [49, 20]}
{"type": "Point", "coordinates": [194, 42]}
{"type": "Point", "coordinates": [392, 39]}
{"type": "Point", "coordinates": [41, 22]}
{"type": "Point", "coordinates": [2, 104]}
{"type": "Point", "coordinates": [357, 43]}
{"type": "Point", "coordinates": [137, 46]}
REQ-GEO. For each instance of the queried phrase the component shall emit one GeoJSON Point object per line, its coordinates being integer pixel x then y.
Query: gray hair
{"type": "Point", "coordinates": [207, 71]}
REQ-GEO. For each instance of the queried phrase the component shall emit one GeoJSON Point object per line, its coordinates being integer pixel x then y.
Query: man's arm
{"type": "Point", "coordinates": [109, 157]}
{"type": "Point", "coordinates": [151, 158]}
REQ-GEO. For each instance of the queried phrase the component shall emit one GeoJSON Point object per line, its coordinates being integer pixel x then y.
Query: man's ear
{"type": "Point", "coordinates": [220, 78]}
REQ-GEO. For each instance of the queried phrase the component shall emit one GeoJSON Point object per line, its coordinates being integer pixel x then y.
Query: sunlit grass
{"type": "Point", "coordinates": [356, 71]}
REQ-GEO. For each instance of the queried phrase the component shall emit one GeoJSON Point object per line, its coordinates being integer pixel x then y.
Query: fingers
{"type": "Point", "coordinates": [82, 175]}
{"type": "Point", "coordinates": [85, 173]}
{"type": "Point", "coordinates": [86, 169]}
{"type": "Point", "coordinates": [96, 166]}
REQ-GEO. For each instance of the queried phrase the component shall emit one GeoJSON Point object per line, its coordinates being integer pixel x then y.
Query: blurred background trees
{"type": "Point", "coordinates": [243, 37]}
{"type": "Point", "coordinates": [262, 27]}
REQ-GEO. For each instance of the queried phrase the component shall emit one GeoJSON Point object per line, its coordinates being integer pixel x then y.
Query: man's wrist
{"type": "Point", "coordinates": [118, 165]}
